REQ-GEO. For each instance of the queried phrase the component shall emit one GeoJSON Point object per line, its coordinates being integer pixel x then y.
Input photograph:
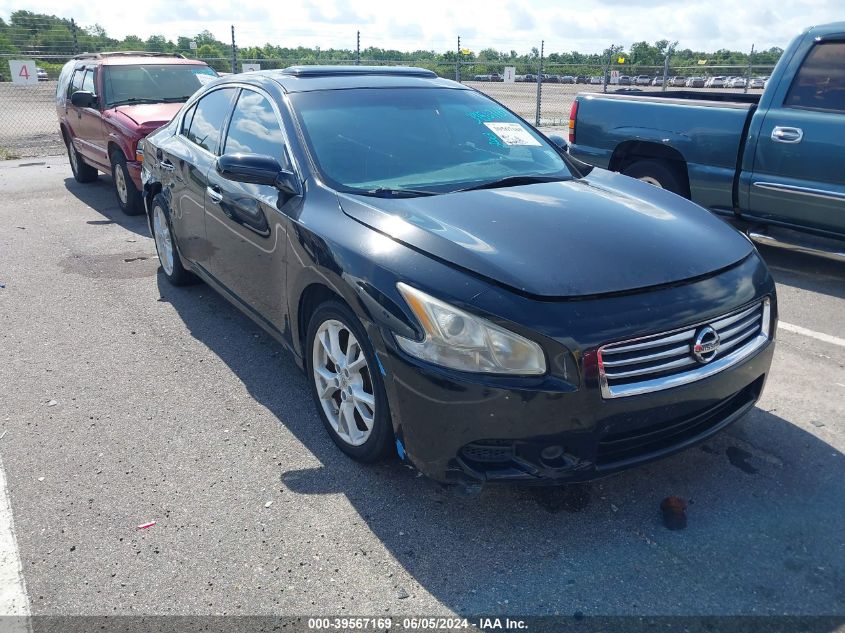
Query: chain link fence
{"type": "Point", "coordinates": [542, 93]}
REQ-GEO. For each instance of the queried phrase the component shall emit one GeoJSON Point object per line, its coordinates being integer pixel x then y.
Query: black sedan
{"type": "Point", "coordinates": [455, 288]}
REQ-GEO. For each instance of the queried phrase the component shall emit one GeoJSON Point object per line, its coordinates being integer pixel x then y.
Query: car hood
{"type": "Point", "coordinates": [604, 233]}
{"type": "Point", "coordinates": [149, 114]}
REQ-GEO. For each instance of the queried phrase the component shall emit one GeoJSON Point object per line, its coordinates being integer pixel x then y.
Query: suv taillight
{"type": "Point", "coordinates": [573, 113]}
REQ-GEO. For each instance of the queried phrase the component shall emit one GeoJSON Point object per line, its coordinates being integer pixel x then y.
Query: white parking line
{"type": "Point", "coordinates": [13, 598]}
{"type": "Point", "coordinates": [819, 336]}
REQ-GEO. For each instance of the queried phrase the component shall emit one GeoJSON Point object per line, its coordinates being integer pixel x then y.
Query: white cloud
{"type": "Point", "coordinates": [589, 26]}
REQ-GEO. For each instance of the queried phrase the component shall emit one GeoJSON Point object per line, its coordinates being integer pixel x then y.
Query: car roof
{"type": "Point", "coordinates": [310, 78]}
{"type": "Point", "coordinates": [134, 58]}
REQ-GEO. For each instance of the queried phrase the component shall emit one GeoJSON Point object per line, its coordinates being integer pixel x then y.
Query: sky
{"type": "Point", "coordinates": [587, 26]}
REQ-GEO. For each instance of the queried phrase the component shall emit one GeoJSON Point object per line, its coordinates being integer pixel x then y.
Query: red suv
{"type": "Point", "coordinates": [107, 102]}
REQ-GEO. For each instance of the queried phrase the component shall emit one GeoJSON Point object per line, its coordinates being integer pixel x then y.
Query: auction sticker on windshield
{"type": "Point", "coordinates": [512, 133]}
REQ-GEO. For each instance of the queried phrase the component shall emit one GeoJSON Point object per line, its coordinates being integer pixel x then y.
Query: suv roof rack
{"type": "Point", "coordinates": [329, 71]}
{"type": "Point", "coordinates": [127, 54]}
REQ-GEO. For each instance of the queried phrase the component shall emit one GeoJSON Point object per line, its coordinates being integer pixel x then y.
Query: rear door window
{"type": "Point", "coordinates": [820, 83]}
{"type": "Point", "coordinates": [209, 117]}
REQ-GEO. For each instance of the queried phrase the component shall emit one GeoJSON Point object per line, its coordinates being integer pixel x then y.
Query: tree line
{"type": "Point", "coordinates": [47, 38]}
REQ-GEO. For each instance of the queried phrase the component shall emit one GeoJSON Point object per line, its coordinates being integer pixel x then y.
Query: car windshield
{"type": "Point", "coordinates": [420, 140]}
{"type": "Point", "coordinates": [153, 83]}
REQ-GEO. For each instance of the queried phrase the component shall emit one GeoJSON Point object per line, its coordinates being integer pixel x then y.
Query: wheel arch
{"type": "Point", "coordinates": [629, 152]}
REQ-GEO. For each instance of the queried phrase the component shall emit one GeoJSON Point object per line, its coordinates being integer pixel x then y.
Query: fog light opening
{"type": "Point", "coordinates": [554, 456]}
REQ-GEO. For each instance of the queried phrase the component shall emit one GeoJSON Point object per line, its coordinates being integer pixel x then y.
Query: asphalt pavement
{"type": "Point", "coordinates": [125, 401]}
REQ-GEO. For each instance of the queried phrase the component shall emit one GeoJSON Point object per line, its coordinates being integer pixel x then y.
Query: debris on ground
{"type": "Point", "coordinates": [674, 513]}
{"type": "Point", "coordinates": [401, 593]}
{"type": "Point", "coordinates": [268, 504]}
{"type": "Point", "coordinates": [144, 526]}
{"type": "Point", "coordinates": [52, 403]}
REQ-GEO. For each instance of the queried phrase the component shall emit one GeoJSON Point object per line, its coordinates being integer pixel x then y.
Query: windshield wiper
{"type": "Point", "coordinates": [175, 99]}
{"type": "Point", "coordinates": [133, 100]}
{"type": "Point", "coordinates": [513, 181]}
{"type": "Point", "coordinates": [386, 192]}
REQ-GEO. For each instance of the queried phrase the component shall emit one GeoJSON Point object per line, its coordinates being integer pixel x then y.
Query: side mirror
{"type": "Point", "coordinates": [558, 140]}
{"type": "Point", "coordinates": [258, 169]}
{"type": "Point", "coordinates": [83, 99]}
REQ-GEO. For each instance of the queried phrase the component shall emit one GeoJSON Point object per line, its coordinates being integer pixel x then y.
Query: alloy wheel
{"type": "Point", "coordinates": [344, 385]}
{"type": "Point", "coordinates": [120, 184]}
{"type": "Point", "coordinates": [164, 242]}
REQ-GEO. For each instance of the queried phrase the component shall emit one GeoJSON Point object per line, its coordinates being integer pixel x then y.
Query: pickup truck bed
{"type": "Point", "coordinates": [770, 163]}
{"type": "Point", "coordinates": [704, 131]}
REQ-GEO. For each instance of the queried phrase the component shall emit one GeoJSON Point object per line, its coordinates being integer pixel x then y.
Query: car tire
{"type": "Point", "coordinates": [658, 173]}
{"type": "Point", "coordinates": [168, 254]}
{"type": "Point", "coordinates": [346, 390]}
{"type": "Point", "coordinates": [82, 171]}
{"type": "Point", "coordinates": [127, 195]}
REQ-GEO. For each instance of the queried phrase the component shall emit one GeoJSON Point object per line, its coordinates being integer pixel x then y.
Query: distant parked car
{"type": "Point", "coordinates": [678, 81]}
{"type": "Point", "coordinates": [567, 79]}
{"type": "Point", "coordinates": [657, 81]}
{"type": "Point", "coordinates": [757, 82]}
{"type": "Point", "coordinates": [595, 80]}
{"type": "Point", "coordinates": [695, 82]}
{"type": "Point", "coordinates": [624, 80]}
{"type": "Point", "coordinates": [530, 77]}
{"type": "Point", "coordinates": [41, 73]}
{"type": "Point", "coordinates": [737, 82]}
{"type": "Point", "coordinates": [715, 82]}
{"type": "Point", "coordinates": [582, 79]}
{"type": "Point", "coordinates": [642, 80]}
{"type": "Point", "coordinates": [552, 79]}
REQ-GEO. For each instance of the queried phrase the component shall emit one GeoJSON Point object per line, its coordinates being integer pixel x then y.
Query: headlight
{"type": "Point", "coordinates": [464, 342]}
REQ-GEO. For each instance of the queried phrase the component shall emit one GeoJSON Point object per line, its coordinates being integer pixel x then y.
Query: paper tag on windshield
{"type": "Point", "coordinates": [204, 79]}
{"type": "Point", "coordinates": [512, 133]}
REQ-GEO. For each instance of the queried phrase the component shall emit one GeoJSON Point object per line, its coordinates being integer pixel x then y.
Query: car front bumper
{"type": "Point", "coordinates": [455, 428]}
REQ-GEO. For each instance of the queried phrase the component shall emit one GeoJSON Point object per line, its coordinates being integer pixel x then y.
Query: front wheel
{"type": "Point", "coordinates": [659, 173]}
{"type": "Point", "coordinates": [346, 383]}
{"type": "Point", "coordinates": [127, 195]}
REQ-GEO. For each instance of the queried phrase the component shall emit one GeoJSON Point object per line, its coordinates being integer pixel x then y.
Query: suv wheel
{"type": "Point", "coordinates": [168, 255]}
{"type": "Point", "coordinates": [127, 195]}
{"type": "Point", "coordinates": [346, 383]}
{"type": "Point", "coordinates": [82, 171]}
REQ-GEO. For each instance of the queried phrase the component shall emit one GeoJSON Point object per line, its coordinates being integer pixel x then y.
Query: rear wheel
{"type": "Point", "coordinates": [82, 171]}
{"type": "Point", "coordinates": [659, 174]}
{"type": "Point", "coordinates": [168, 256]}
{"type": "Point", "coordinates": [127, 195]}
{"type": "Point", "coordinates": [346, 383]}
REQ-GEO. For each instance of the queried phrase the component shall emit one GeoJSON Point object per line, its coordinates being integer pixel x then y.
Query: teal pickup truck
{"type": "Point", "coordinates": [772, 163]}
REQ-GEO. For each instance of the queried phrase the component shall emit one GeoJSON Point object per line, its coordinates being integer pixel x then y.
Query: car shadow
{"type": "Point", "coordinates": [100, 196]}
{"type": "Point", "coordinates": [765, 509]}
{"type": "Point", "coordinates": [808, 272]}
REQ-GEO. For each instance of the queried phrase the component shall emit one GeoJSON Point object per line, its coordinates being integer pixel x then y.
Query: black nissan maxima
{"type": "Point", "coordinates": [455, 288]}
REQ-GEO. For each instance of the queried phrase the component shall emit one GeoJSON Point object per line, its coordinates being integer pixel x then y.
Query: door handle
{"type": "Point", "coordinates": [166, 165]}
{"type": "Point", "coordinates": [787, 134]}
{"type": "Point", "coordinates": [214, 194]}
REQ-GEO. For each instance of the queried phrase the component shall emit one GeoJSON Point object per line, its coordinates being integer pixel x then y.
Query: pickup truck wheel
{"type": "Point", "coordinates": [127, 195]}
{"type": "Point", "coordinates": [82, 171]}
{"type": "Point", "coordinates": [657, 173]}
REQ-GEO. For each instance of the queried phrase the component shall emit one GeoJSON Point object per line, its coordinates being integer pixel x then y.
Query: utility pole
{"type": "Point", "coordinates": [539, 85]}
{"type": "Point", "coordinates": [73, 31]}
{"type": "Point", "coordinates": [669, 53]}
{"type": "Point", "coordinates": [607, 67]}
{"type": "Point", "coordinates": [748, 74]}
{"type": "Point", "coordinates": [458, 62]}
{"type": "Point", "coordinates": [358, 50]}
{"type": "Point", "coordinates": [234, 52]}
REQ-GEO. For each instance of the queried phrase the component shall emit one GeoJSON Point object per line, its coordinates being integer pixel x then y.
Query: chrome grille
{"type": "Point", "coordinates": [668, 359]}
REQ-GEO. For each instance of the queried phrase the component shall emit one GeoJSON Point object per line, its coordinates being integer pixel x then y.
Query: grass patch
{"type": "Point", "coordinates": [7, 154]}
